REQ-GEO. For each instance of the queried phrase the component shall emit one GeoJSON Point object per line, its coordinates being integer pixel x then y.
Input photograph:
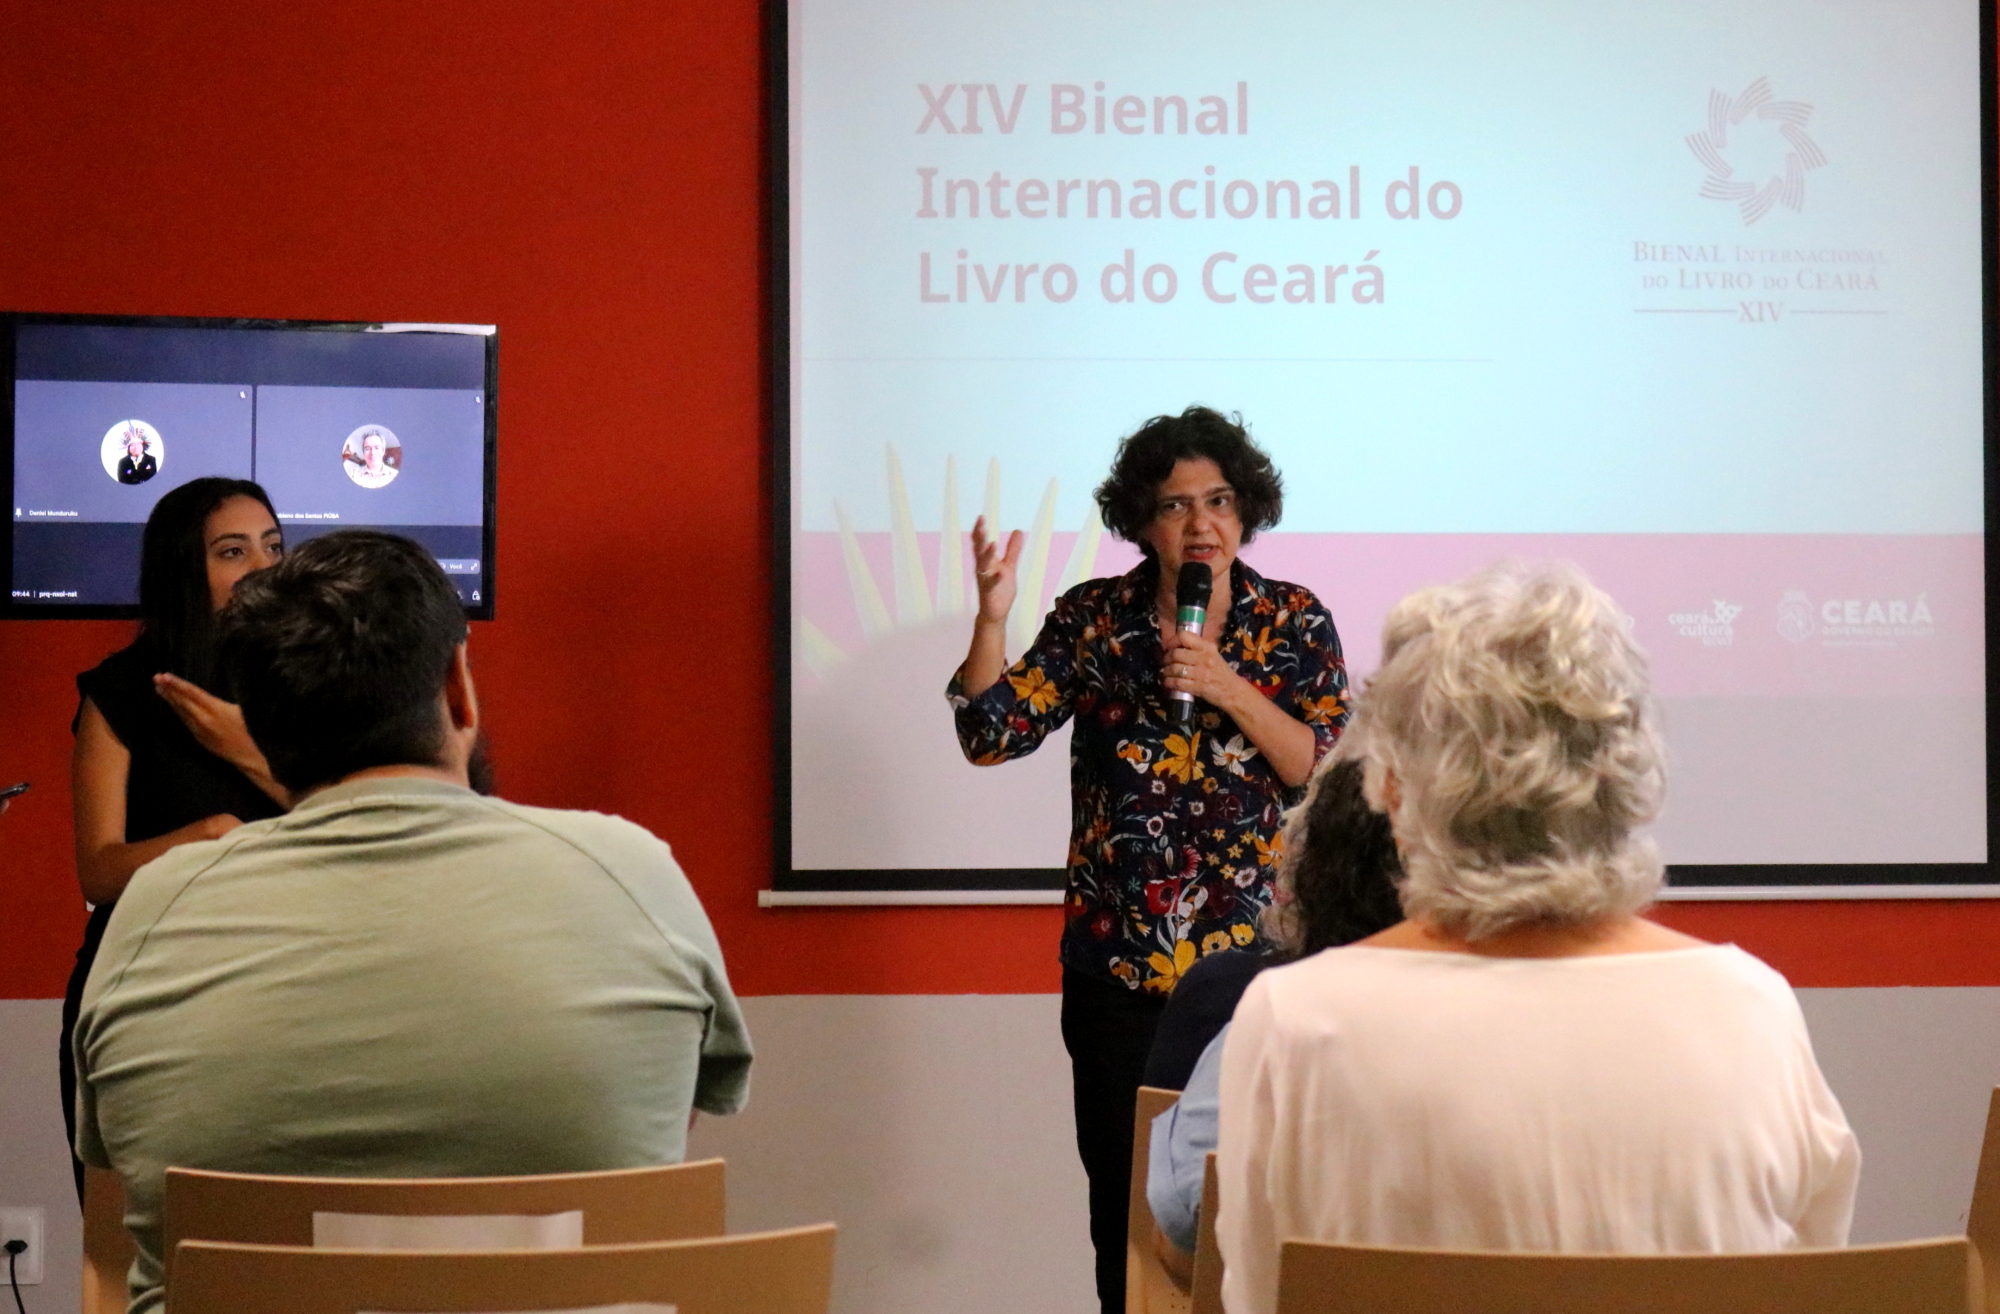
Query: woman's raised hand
{"type": "Point", "coordinates": [994, 571]}
{"type": "Point", "coordinates": [216, 725]}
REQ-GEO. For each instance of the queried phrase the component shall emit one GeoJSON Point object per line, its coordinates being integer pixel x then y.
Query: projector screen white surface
{"type": "Point", "coordinates": [1688, 294]}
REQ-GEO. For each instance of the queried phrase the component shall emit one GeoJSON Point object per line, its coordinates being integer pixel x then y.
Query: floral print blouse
{"type": "Point", "coordinates": [1173, 834]}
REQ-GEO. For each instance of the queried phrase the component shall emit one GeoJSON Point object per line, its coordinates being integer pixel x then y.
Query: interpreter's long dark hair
{"type": "Point", "coordinates": [1337, 883]}
{"type": "Point", "coordinates": [176, 620]}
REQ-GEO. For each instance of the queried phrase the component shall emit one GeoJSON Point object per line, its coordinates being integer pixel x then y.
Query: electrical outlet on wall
{"type": "Point", "coordinates": [23, 1225]}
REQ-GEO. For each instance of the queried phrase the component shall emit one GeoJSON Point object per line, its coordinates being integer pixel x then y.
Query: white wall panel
{"type": "Point", "coordinates": [34, 1169]}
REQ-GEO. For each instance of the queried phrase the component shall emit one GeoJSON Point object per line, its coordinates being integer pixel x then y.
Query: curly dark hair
{"type": "Point", "coordinates": [1339, 868]}
{"type": "Point", "coordinates": [1127, 498]}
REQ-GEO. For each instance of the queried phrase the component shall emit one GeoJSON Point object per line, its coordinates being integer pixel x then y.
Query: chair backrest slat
{"type": "Point", "coordinates": [789, 1272]}
{"type": "Point", "coordinates": [1207, 1253]}
{"type": "Point", "coordinates": [107, 1247]}
{"type": "Point", "coordinates": [1148, 1289]}
{"type": "Point", "coordinates": [671, 1202]}
{"type": "Point", "coordinates": [1982, 1221]}
{"type": "Point", "coordinates": [1938, 1276]}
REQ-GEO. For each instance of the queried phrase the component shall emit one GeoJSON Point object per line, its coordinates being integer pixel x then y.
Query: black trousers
{"type": "Point", "coordinates": [93, 935]}
{"type": "Point", "coordinates": [1108, 1031]}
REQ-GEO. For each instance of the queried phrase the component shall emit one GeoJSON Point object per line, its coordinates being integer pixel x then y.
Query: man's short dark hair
{"type": "Point", "coordinates": [1126, 499]}
{"type": "Point", "coordinates": [338, 655]}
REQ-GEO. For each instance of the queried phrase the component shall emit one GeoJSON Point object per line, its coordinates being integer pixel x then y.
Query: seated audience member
{"type": "Point", "coordinates": [1336, 884]}
{"type": "Point", "coordinates": [1525, 1063]}
{"type": "Point", "coordinates": [401, 977]}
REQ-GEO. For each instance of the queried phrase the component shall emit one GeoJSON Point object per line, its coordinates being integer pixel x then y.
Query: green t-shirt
{"type": "Point", "coordinates": [402, 978]}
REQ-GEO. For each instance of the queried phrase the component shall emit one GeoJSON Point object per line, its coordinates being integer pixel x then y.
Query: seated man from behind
{"type": "Point", "coordinates": [402, 977]}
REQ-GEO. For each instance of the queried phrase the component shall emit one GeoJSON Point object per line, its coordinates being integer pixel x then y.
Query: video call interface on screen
{"type": "Point", "coordinates": [344, 429]}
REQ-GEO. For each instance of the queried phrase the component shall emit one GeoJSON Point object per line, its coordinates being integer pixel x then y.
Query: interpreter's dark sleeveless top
{"type": "Point", "coordinates": [172, 781]}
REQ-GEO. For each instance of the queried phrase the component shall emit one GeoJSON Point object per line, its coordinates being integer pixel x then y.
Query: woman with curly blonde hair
{"type": "Point", "coordinates": [1524, 1063]}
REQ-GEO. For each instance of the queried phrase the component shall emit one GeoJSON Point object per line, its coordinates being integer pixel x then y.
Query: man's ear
{"type": "Point", "coordinates": [461, 700]}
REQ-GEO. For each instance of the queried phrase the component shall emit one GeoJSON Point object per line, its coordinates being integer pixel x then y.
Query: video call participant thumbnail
{"type": "Point", "coordinates": [136, 467]}
{"type": "Point", "coordinates": [132, 452]}
{"type": "Point", "coordinates": [372, 456]}
{"type": "Point", "coordinates": [401, 977]}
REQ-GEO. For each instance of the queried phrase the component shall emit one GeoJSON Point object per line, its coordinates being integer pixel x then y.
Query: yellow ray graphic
{"type": "Point", "coordinates": [906, 564]}
{"type": "Point", "coordinates": [990, 504]}
{"type": "Point", "coordinates": [868, 606]}
{"type": "Point", "coordinates": [1028, 600]}
{"type": "Point", "coordinates": [821, 654]}
{"type": "Point", "coordinates": [951, 551]}
{"type": "Point", "coordinates": [1082, 563]}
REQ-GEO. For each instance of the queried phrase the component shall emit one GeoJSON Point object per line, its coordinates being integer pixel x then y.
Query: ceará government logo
{"type": "Point", "coordinates": [1854, 622]}
{"type": "Point", "coordinates": [1714, 627]}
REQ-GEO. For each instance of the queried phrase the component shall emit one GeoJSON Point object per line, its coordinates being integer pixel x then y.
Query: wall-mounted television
{"type": "Point", "coordinates": [346, 426]}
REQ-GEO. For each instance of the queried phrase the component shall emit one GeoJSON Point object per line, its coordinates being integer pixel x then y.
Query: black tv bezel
{"type": "Point", "coordinates": [1738, 881]}
{"type": "Point", "coordinates": [17, 609]}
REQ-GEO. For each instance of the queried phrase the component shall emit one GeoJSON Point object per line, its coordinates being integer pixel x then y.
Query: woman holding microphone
{"type": "Point", "coordinates": [1175, 811]}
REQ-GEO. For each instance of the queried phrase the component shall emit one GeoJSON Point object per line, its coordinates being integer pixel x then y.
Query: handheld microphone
{"type": "Point", "coordinates": [1191, 604]}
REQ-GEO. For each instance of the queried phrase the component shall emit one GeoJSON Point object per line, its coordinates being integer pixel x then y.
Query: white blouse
{"type": "Point", "coordinates": [1644, 1103]}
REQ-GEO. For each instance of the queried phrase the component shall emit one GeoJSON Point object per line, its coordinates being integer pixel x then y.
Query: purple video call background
{"type": "Point", "coordinates": [77, 529]}
{"type": "Point", "coordinates": [300, 432]}
{"type": "Point", "coordinates": [270, 403]}
{"type": "Point", "coordinates": [59, 427]}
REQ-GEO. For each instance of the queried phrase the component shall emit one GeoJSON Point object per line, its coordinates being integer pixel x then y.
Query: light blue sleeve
{"type": "Point", "coordinates": [1183, 1136]}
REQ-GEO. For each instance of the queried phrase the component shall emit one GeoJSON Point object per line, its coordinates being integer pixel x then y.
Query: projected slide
{"type": "Point", "coordinates": [1690, 295]}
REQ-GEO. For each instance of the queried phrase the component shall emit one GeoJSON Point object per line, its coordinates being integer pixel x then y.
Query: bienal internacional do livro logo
{"type": "Point", "coordinates": [1784, 182]}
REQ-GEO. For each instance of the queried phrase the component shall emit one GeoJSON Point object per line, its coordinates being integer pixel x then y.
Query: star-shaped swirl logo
{"type": "Point", "coordinates": [1803, 155]}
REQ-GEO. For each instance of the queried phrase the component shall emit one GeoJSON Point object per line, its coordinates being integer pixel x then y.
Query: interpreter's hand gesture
{"type": "Point", "coordinates": [994, 571]}
{"type": "Point", "coordinates": [217, 725]}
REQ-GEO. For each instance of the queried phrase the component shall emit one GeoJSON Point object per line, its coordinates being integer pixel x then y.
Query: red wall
{"type": "Point", "coordinates": [588, 178]}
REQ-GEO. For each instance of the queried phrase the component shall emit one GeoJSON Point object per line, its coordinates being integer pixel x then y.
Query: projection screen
{"type": "Point", "coordinates": [1690, 295]}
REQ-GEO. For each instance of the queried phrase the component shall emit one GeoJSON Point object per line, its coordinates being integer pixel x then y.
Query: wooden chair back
{"type": "Point", "coordinates": [1939, 1276]}
{"type": "Point", "coordinates": [788, 1272]}
{"type": "Point", "coordinates": [107, 1247]}
{"type": "Point", "coordinates": [672, 1202]}
{"type": "Point", "coordinates": [1982, 1221]}
{"type": "Point", "coordinates": [1207, 1293]}
{"type": "Point", "coordinates": [1148, 1288]}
